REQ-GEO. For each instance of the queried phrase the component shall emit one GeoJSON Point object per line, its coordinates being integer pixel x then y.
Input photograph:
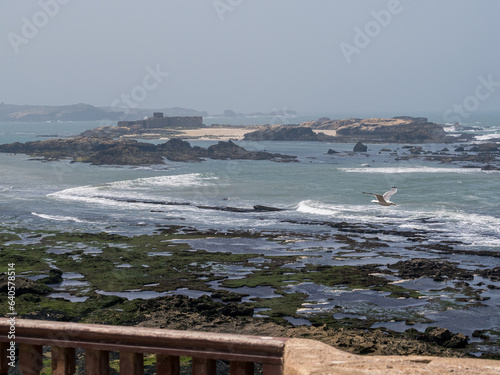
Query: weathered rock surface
{"type": "Point", "coordinates": [485, 147]}
{"type": "Point", "coordinates": [100, 151]}
{"type": "Point", "coordinates": [23, 286]}
{"type": "Point", "coordinates": [398, 129]}
{"type": "Point", "coordinates": [416, 268]}
{"type": "Point", "coordinates": [286, 133]}
{"type": "Point", "coordinates": [444, 337]}
{"type": "Point", "coordinates": [360, 147]}
{"type": "Point", "coordinates": [203, 314]}
{"type": "Point", "coordinates": [230, 150]}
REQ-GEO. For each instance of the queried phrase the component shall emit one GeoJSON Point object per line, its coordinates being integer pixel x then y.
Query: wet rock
{"type": "Point", "coordinates": [23, 286]}
{"type": "Point", "coordinates": [260, 208]}
{"type": "Point", "coordinates": [360, 147]}
{"type": "Point", "coordinates": [55, 277]}
{"type": "Point", "coordinates": [284, 133]}
{"type": "Point", "coordinates": [331, 151]}
{"type": "Point", "coordinates": [446, 338]}
{"type": "Point", "coordinates": [230, 150]}
{"type": "Point", "coordinates": [106, 151]}
{"type": "Point", "coordinates": [437, 269]}
{"type": "Point", "coordinates": [203, 305]}
{"type": "Point", "coordinates": [226, 296]}
{"type": "Point", "coordinates": [489, 167]}
{"type": "Point", "coordinates": [493, 273]}
{"type": "Point", "coordinates": [485, 147]}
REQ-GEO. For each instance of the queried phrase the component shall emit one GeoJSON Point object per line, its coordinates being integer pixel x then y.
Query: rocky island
{"type": "Point", "coordinates": [107, 151]}
{"type": "Point", "coordinates": [402, 129]}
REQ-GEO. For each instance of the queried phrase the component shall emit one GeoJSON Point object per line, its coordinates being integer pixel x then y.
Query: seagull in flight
{"type": "Point", "coordinates": [384, 200]}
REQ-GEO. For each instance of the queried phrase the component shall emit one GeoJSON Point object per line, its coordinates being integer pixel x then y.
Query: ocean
{"type": "Point", "coordinates": [445, 201]}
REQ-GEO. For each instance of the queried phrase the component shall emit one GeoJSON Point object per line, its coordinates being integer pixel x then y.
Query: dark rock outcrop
{"type": "Point", "coordinates": [485, 147]}
{"type": "Point", "coordinates": [55, 277]}
{"type": "Point", "coordinates": [285, 133]}
{"type": "Point", "coordinates": [230, 150]}
{"type": "Point", "coordinates": [101, 151]}
{"type": "Point", "coordinates": [437, 269]}
{"type": "Point", "coordinates": [399, 129]}
{"type": "Point", "coordinates": [444, 337]}
{"type": "Point", "coordinates": [360, 147]}
{"type": "Point", "coordinates": [23, 286]}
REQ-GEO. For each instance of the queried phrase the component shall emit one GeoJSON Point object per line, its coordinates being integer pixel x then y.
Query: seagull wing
{"type": "Point", "coordinates": [387, 196]}
{"type": "Point", "coordinates": [379, 197]}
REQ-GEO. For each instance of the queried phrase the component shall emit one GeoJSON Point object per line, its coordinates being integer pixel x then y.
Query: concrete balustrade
{"type": "Point", "coordinates": [278, 356]}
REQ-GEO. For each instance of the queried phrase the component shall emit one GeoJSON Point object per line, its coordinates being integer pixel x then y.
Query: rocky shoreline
{"type": "Point", "coordinates": [107, 151]}
{"type": "Point", "coordinates": [209, 291]}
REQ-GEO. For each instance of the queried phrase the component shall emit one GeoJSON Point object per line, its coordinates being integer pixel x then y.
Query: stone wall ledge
{"type": "Point", "coordinates": [310, 357]}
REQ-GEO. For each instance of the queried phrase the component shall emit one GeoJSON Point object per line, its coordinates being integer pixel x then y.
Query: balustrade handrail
{"type": "Point", "coordinates": [279, 356]}
{"type": "Point", "coordinates": [146, 340]}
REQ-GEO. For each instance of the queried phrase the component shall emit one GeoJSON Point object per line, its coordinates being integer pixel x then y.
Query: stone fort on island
{"type": "Point", "coordinates": [160, 121]}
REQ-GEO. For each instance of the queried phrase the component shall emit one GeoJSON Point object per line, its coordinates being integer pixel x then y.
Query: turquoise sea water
{"type": "Point", "coordinates": [459, 203]}
{"type": "Point", "coordinates": [446, 201]}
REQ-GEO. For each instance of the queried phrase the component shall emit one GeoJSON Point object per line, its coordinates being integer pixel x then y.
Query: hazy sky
{"type": "Point", "coordinates": [312, 56]}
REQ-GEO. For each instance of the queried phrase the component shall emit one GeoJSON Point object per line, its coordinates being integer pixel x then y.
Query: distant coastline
{"type": "Point", "coordinates": [81, 112]}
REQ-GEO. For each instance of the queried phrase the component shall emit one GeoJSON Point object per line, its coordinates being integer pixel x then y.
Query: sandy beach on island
{"type": "Point", "coordinates": [218, 133]}
{"type": "Point", "coordinates": [229, 132]}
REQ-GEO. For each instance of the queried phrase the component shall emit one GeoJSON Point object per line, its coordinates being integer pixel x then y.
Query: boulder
{"type": "Point", "coordinates": [446, 338]}
{"type": "Point", "coordinates": [24, 286]}
{"type": "Point", "coordinates": [55, 277]}
{"type": "Point", "coordinates": [360, 147]}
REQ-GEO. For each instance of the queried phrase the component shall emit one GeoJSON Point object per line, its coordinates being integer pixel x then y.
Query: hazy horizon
{"type": "Point", "coordinates": [401, 57]}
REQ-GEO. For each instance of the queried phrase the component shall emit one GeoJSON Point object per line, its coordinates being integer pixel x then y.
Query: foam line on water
{"type": "Point", "coordinates": [60, 218]}
{"type": "Point", "coordinates": [393, 170]}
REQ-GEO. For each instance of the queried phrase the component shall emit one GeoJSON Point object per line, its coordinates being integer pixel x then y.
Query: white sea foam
{"type": "Point", "coordinates": [358, 213]}
{"type": "Point", "coordinates": [475, 229]}
{"type": "Point", "coordinates": [487, 137]}
{"type": "Point", "coordinates": [472, 229]}
{"type": "Point", "coordinates": [117, 193]}
{"type": "Point", "coordinates": [60, 218]}
{"type": "Point", "coordinates": [174, 181]}
{"type": "Point", "coordinates": [390, 170]}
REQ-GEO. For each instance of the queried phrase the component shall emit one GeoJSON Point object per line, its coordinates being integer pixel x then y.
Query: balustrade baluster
{"type": "Point", "coordinates": [241, 368]}
{"type": "Point", "coordinates": [204, 366]}
{"type": "Point", "coordinates": [131, 363]}
{"type": "Point", "coordinates": [30, 359]}
{"type": "Point", "coordinates": [167, 365]}
{"type": "Point", "coordinates": [4, 361]}
{"type": "Point", "coordinates": [63, 361]}
{"type": "Point", "coordinates": [269, 369]}
{"type": "Point", "coordinates": [96, 362]}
